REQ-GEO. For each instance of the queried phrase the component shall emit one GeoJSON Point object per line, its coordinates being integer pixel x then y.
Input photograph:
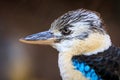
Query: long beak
{"type": "Point", "coordinates": [45, 38]}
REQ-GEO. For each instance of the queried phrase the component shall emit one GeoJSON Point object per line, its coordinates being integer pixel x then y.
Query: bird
{"type": "Point", "coordinates": [85, 49]}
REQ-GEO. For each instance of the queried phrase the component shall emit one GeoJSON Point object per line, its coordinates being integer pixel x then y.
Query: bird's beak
{"type": "Point", "coordinates": [45, 38]}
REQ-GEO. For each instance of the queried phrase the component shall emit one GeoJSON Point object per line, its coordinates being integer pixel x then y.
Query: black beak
{"type": "Point", "coordinates": [45, 37]}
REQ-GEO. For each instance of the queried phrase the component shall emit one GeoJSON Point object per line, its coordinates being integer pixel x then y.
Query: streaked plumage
{"type": "Point", "coordinates": [85, 48]}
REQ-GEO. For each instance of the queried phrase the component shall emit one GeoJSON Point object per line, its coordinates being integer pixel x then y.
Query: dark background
{"type": "Point", "coordinates": [19, 18]}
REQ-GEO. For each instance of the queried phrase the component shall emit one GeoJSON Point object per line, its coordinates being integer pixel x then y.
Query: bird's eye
{"type": "Point", "coordinates": [65, 31]}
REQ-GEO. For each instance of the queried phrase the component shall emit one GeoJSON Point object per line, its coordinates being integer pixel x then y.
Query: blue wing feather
{"type": "Point", "coordinates": [86, 70]}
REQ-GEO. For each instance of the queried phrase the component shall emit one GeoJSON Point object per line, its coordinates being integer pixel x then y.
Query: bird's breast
{"type": "Point", "coordinates": [67, 69]}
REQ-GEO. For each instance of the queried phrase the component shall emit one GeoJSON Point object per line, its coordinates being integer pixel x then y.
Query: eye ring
{"type": "Point", "coordinates": [65, 31]}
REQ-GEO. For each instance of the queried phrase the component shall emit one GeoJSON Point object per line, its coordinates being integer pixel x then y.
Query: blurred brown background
{"type": "Point", "coordinates": [19, 18]}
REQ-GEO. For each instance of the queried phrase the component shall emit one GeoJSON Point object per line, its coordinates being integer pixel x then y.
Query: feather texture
{"type": "Point", "coordinates": [86, 70]}
{"type": "Point", "coordinates": [105, 64]}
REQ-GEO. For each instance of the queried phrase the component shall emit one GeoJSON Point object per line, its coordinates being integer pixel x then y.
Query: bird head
{"type": "Point", "coordinates": [80, 32]}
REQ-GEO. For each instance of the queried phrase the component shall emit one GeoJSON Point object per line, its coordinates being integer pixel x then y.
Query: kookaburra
{"type": "Point", "coordinates": [85, 48]}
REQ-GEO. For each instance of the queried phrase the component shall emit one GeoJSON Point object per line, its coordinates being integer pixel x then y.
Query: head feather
{"type": "Point", "coordinates": [81, 15]}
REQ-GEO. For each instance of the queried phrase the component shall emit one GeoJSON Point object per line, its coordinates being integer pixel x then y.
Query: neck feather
{"type": "Point", "coordinates": [105, 44]}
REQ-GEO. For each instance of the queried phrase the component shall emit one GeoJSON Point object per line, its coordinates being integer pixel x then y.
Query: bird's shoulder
{"type": "Point", "coordinates": [105, 64]}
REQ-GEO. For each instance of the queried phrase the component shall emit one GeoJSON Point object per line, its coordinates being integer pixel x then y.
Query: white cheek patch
{"type": "Point", "coordinates": [63, 46]}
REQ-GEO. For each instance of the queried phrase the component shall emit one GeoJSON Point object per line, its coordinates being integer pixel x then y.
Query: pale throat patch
{"type": "Point", "coordinates": [67, 70]}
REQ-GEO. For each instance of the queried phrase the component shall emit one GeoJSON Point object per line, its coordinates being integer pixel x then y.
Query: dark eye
{"type": "Point", "coordinates": [65, 31]}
